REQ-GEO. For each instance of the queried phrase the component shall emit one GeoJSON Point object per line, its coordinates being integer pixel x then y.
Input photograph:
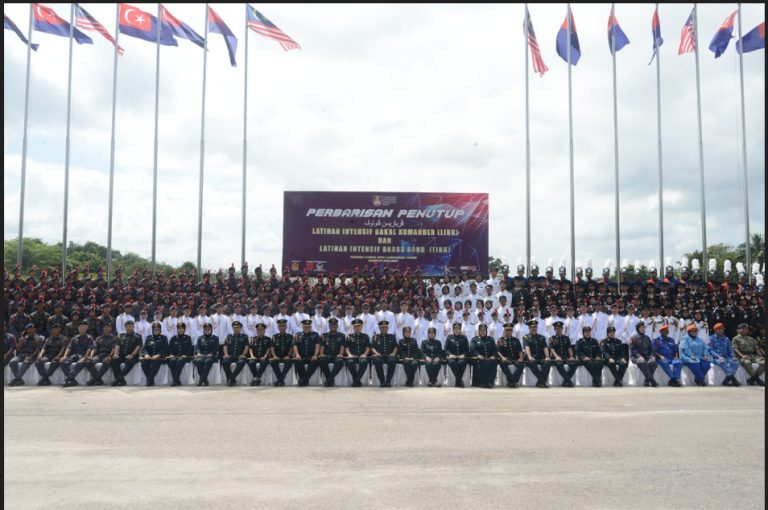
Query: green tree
{"type": "Point", "coordinates": [497, 264]}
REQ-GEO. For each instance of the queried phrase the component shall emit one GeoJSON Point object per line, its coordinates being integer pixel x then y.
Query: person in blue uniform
{"type": "Point", "coordinates": [537, 353]}
{"type": "Point", "coordinates": [668, 356]}
{"type": "Point", "coordinates": [722, 355]}
{"type": "Point", "coordinates": [259, 354]}
{"type": "Point", "coordinates": [590, 355]}
{"type": "Point", "coordinates": [457, 354]}
{"type": "Point", "coordinates": [695, 355]}
{"type": "Point", "coordinates": [52, 351]}
{"type": "Point", "coordinates": [180, 352]}
{"type": "Point", "coordinates": [126, 351]}
{"type": "Point", "coordinates": [27, 349]}
{"type": "Point", "coordinates": [9, 347]}
{"type": "Point", "coordinates": [384, 353]}
{"type": "Point", "coordinates": [101, 351]}
{"type": "Point", "coordinates": [235, 351]}
{"type": "Point", "coordinates": [153, 353]}
{"type": "Point", "coordinates": [306, 349]}
{"type": "Point", "coordinates": [614, 356]}
{"type": "Point", "coordinates": [206, 353]}
{"type": "Point", "coordinates": [357, 348]}
{"type": "Point", "coordinates": [561, 354]}
{"type": "Point", "coordinates": [409, 354]}
{"type": "Point", "coordinates": [282, 348]}
{"type": "Point", "coordinates": [510, 355]}
{"type": "Point", "coordinates": [483, 350]}
{"type": "Point", "coordinates": [432, 357]}
{"type": "Point", "coordinates": [74, 358]}
{"type": "Point", "coordinates": [332, 353]}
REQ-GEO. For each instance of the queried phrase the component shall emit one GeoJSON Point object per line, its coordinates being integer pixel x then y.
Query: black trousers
{"type": "Point", "coordinates": [595, 369]}
{"type": "Point", "coordinates": [566, 373]}
{"type": "Point", "coordinates": [305, 368]}
{"type": "Point", "coordinates": [484, 373]}
{"type": "Point", "coordinates": [280, 374]}
{"type": "Point", "coordinates": [227, 365]}
{"type": "Point", "coordinates": [540, 370]}
{"type": "Point", "coordinates": [258, 367]}
{"type": "Point", "coordinates": [357, 368]}
{"type": "Point", "coordinates": [379, 362]}
{"type": "Point", "coordinates": [328, 373]}
{"type": "Point", "coordinates": [106, 363]}
{"type": "Point", "coordinates": [457, 366]}
{"type": "Point", "coordinates": [40, 366]}
{"type": "Point", "coordinates": [150, 368]}
{"type": "Point", "coordinates": [513, 378]}
{"type": "Point", "coordinates": [433, 370]}
{"type": "Point", "coordinates": [410, 366]}
{"type": "Point", "coordinates": [617, 369]}
{"type": "Point", "coordinates": [120, 374]}
{"type": "Point", "coordinates": [176, 365]}
{"type": "Point", "coordinates": [203, 366]}
{"type": "Point", "coordinates": [72, 366]}
{"type": "Point", "coordinates": [647, 368]}
{"type": "Point", "coordinates": [19, 367]}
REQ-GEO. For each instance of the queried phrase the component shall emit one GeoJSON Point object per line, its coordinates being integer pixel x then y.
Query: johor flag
{"type": "Point", "coordinates": [46, 20]}
{"type": "Point", "coordinates": [753, 40]}
{"type": "Point", "coordinates": [10, 25]}
{"type": "Point", "coordinates": [614, 30]}
{"type": "Point", "coordinates": [562, 41]}
{"type": "Point", "coordinates": [656, 31]}
{"type": "Point", "coordinates": [142, 25]}
{"type": "Point", "coordinates": [179, 28]}
{"type": "Point", "coordinates": [723, 36]}
{"type": "Point", "coordinates": [217, 25]}
{"type": "Point", "coordinates": [87, 22]}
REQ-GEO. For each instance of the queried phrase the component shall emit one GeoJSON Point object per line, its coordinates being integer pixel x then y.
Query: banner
{"type": "Point", "coordinates": [340, 232]}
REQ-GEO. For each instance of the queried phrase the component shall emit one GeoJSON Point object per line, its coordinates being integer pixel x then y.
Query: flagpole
{"type": "Point", "coordinates": [24, 145]}
{"type": "Point", "coordinates": [615, 146]}
{"type": "Point", "coordinates": [704, 262]}
{"type": "Point", "coordinates": [154, 167]}
{"type": "Point", "coordinates": [744, 155]}
{"type": "Point", "coordinates": [658, 124]}
{"type": "Point", "coordinates": [66, 146]}
{"type": "Point", "coordinates": [112, 147]}
{"type": "Point", "coordinates": [202, 154]}
{"type": "Point", "coordinates": [570, 145]}
{"type": "Point", "coordinates": [527, 156]}
{"type": "Point", "coordinates": [245, 138]}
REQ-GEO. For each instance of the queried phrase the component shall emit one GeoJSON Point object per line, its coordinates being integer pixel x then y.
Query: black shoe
{"type": "Point", "coordinates": [759, 382]}
{"type": "Point", "coordinates": [460, 384]}
{"type": "Point", "coordinates": [99, 382]}
{"type": "Point", "coordinates": [511, 384]}
{"type": "Point", "coordinates": [19, 382]}
{"type": "Point", "coordinates": [727, 381]}
{"type": "Point", "coordinates": [206, 383]}
{"type": "Point", "coordinates": [331, 383]}
{"type": "Point", "coordinates": [199, 383]}
{"type": "Point", "coordinates": [647, 384]}
{"type": "Point", "coordinates": [91, 382]}
{"type": "Point", "coordinates": [122, 383]}
{"type": "Point", "coordinates": [654, 383]}
{"type": "Point", "coordinates": [230, 382]}
{"type": "Point", "coordinates": [751, 381]}
{"type": "Point", "coordinates": [41, 382]}
{"type": "Point", "coordinates": [254, 383]}
{"type": "Point", "coordinates": [672, 382]}
{"type": "Point", "coordinates": [409, 384]}
{"type": "Point", "coordinates": [734, 382]}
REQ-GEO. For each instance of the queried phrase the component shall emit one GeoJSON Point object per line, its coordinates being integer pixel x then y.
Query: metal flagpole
{"type": "Point", "coordinates": [24, 145]}
{"type": "Point", "coordinates": [704, 262]}
{"type": "Point", "coordinates": [615, 146]}
{"type": "Point", "coordinates": [202, 155]}
{"type": "Point", "coordinates": [66, 146]}
{"type": "Point", "coordinates": [527, 157]}
{"type": "Point", "coordinates": [154, 168]}
{"type": "Point", "coordinates": [658, 122]}
{"type": "Point", "coordinates": [245, 131]}
{"type": "Point", "coordinates": [112, 147]}
{"type": "Point", "coordinates": [570, 143]}
{"type": "Point", "coordinates": [744, 156]}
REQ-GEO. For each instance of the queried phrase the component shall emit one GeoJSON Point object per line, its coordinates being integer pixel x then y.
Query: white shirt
{"type": "Point", "coordinates": [388, 316]}
{"type": "Point", "coordinates": [189, 330]}
{"type": "Point", "coordinates": [169, 325]}
{"type": "Point", "coordinates": [419, 329]}
{"type": "Point", "coordinates": [405, 319]}
{"type": "Point", "coordinates": [294, 323]}
{"type": "Point", "coordinates": [244, 330]}
{"type": "Point", "coordinates": [250, 324]}
{"type": "Point", "coordinates": [620, 323]}
{"type": "Point", "coordinates": [496, 330]}
{"type": "Point", "coordinates": [631, 323]}
{"type": "Point", "coordinates": [599, 326]}
{"type": "Point", "coordinates": [345, 325]}
{"type": "Point", "coordinates": [520, 330]}
{"type": "Point", "coordinates": [221, 326]}
{"type": "Point", "coordinates": [370, 326]}
{"type": "Point", "coordinates": [549, 329]}
{"type": "Point", "coordinates": [197, 325]}
{"type": "Point", "coordinates": [572, 329]}
{"type": "Point", "coordinates": [585, 319]}
{"type": "Point", "coordinates": [143, 329]}
{"type": "Point", "coordinates": [120, 322]}
{"type": "Point", "coordinates": [319, 324]}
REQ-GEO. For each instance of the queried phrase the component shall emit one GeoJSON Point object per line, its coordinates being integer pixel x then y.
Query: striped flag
{"type": "Point", "coordinates": [87, 22]}
{"type": "Point", "coordinates": [687, 37]}
{"type": "Point", "coordinates": [262, 26]}
{"type": "Point", "coordinates": [538, 63]}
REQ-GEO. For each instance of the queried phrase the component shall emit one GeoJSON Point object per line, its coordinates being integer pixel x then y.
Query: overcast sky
{"type": "Point", "coordinates": [424, 98]}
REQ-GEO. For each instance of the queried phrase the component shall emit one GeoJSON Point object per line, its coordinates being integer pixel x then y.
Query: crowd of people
{"type": "Point", "coordinates": [381, 319]}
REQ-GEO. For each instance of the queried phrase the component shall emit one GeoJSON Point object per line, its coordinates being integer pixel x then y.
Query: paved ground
{"type": "Point", "coordinates": [99, 448]}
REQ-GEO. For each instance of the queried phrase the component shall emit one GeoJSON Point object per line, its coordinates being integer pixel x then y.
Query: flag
{"type": "Point", "coordinates": [656, 31]}
{"type": "Point", "coordinates": [723, 36]}
{"type": "Point", "coordinates": [217, 26]}
{"type": "Point", "coordinates": [753, 40]}
{"type": "Point", "coordinates": [179, 28]}
{"type": "Point", "coordinates": [562, 43]}
{"type": "Point", "coordinates": [687, 37]}
{"type": "Point", "coordinates": [87, 22]}
{"type": "Point", "coordinates": [142, 25]}
{"type": "Point", "coordinates": [614, 30]}
{"type": "Point", "coordinates": [538, 63]}
{"type": "Point", "coordinates": [261, 25]}
{"type": "Point", "coordinates": [10, 25]}
{"type": "Point", "coordinates": [46, 20]}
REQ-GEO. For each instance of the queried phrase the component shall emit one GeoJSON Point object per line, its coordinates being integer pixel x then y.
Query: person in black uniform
{"type": "Point", "coordinates": [27, 349]}
{"type": "Point", "coordinates": [259, 354]}
{"type": "Point", "coordinates": [457, 354]}
{"type": "Point", "coordinates": [561, 351]}
{"type": "Point", "coordinates": [537, 352]}
{"type": "Point", "coordinates": [510, 355]}
{"type": "Point", "coordinates": [384, 352]}
{"type": "Point", "coordinates": [100, 352]}
{"type": "Point", "coordinates": [180, 352]}
{"type": "Point", "coordinates": [153, 353]}
{"type": "Point", "coordinates": [235, 350]}
{"type": "Point", "coordinates": [9, 347]}
{"type": "Point", "coordinates": [52, 351]}
{"type": "Point", "coordinates": [614, 356]}
{"type": "Point", "coordinates": [357, 348]}
{"type": "Point", "coordinates": [590, 355]}
{"type": "Point", "coordinates": [282, 346]}
{"type": "Point", "coordinates": [306, 349]}
{"type": "Point", "coordinates": [206, 353]}
{"type": "Point", "coordinates": [483, 350]}
{"type": "Point", "coordinates": [76, 354]}
{"type": "Point", "coordinates": [126, 350]}
{"type": "Point", "coordinates": [331, 352]}
{"type": "Point", "coordinates": [408, 353]}
{"type": "Point", "coordinates": [432, 357]}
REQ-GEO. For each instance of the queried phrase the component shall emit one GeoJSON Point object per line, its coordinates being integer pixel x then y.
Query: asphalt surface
{"type": "Point", "coordinates": [218, 447]}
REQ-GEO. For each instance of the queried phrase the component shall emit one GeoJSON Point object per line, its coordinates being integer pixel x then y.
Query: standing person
{"type": "Point", "coordinates": [561, 352]}
{"type": "Point", "coordinates": [483, 349]}
{"type": "Point", "coordinates": [180, 352]}
{"type": "Point", "coordinates": [52, 351]}
{"type": "Point", "coordinates": [369, 322]}
{"type": "Point", "coordinates": [695, 355]}
{"type": "Point", "coordinates": [126, 350]}
{"type": "Point", "coordinates": [385, 314]}
{"type": "Point", "coordinates": [170, 323]}
{"type": "Point", "coordinates": [297, 319]}
{"type": "Point", "coordinates": [27, 349]}
{"type": "Point", "coordinates": [409, 354]}
{"type": "Point", "coordinates": [432, 354]}
{"type": "Point", "coordinates": [722, 354]}
{"type": "Point", "coordinates": [402, 319]}
{"type": "Point", "coordinates": [154, 352]}
{"type": "Point", "coordinates": [537, 352]}
{"type": "Point", "coordinates": [510, 355]}
{"type": "Point", "coordinates": [259, 354]}
{"type": "Point", "coordinates": [76, 354]}
{"type": "Point", "coordinates": [100, 352]}
{"type": "Point", "coordinates": [457, 354]}
{"type": "Point", "coordinates": [282, 347]}
{"type": "Point", "coordinates": [206, 353]}
{"type": "Point", "coordinates": [331, 353]}
{"type": "Point", "coordinates": [748, 352]}
{"type": "Point", "coordinates": [319, 323]}
{"type": "Point", "coordinates": [306, 349]}
{"type": "Point", "coordinates": [142, 327]}
{"type": "Point", "coordinates": [668, 356]}
{"type": "Point", "coordinates": [614, 356]}
{"type": "Point", "coordinates": [641, 349]}
{"type": "Point", "coordinates": [239, 317]}
{"type": "Point", "coordinates": [384, 352]}
{"type": "Point", "coordinates": [590, 355]}
{"type": "Point", "coordinates": [235, 350]}
{"type": "Point", "coordinates": [357, 348]}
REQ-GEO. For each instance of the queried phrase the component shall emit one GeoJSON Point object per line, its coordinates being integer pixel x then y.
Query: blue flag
{"type": "Point", "coordinates": [753, 40]}
{"type": "Point", "coordinates": [656, 32]}
{"type": "Point", "coordinates": [723, 36]}
{"type": "Point", "coordinates": [142, 25]}
{"type": "Point", "coordinates": [10, 25]}
{"type": "Point", "coordinates": [614, 30]}
{"type": "Point", "coordinates": [562, 41]}
{"type": "Point", "coordinates": [46, 20]}
{"type": "Point", "coordinates": [217, 25]}
{"type": "Point", "coordinates": [179, 28]}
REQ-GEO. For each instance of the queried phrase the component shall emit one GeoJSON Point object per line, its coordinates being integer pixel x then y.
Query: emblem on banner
{"type": "Point", "coordinates": [377, 200]}
{"type": "Point", "coordinates": [294, 266]}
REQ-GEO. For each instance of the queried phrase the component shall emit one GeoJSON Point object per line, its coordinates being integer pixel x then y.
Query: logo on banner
{"type": "Point", "coordinates": [377, 200]}
{"type": "Point", "coordinates": [294, 266]}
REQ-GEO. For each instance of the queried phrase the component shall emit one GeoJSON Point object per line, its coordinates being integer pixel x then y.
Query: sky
{"type": "Point", "coordinates": [423, 97]}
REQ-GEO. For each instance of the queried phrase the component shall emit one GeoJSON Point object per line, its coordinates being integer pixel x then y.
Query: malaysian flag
{"type": "Point", "coordinates": [87, 22]}
{"type": "Point", "coordinates": [687, 37]}
{"type": "Point", "coordinates": [261, 25]}
{"type": "Point", "coordinates": [538, 63]}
